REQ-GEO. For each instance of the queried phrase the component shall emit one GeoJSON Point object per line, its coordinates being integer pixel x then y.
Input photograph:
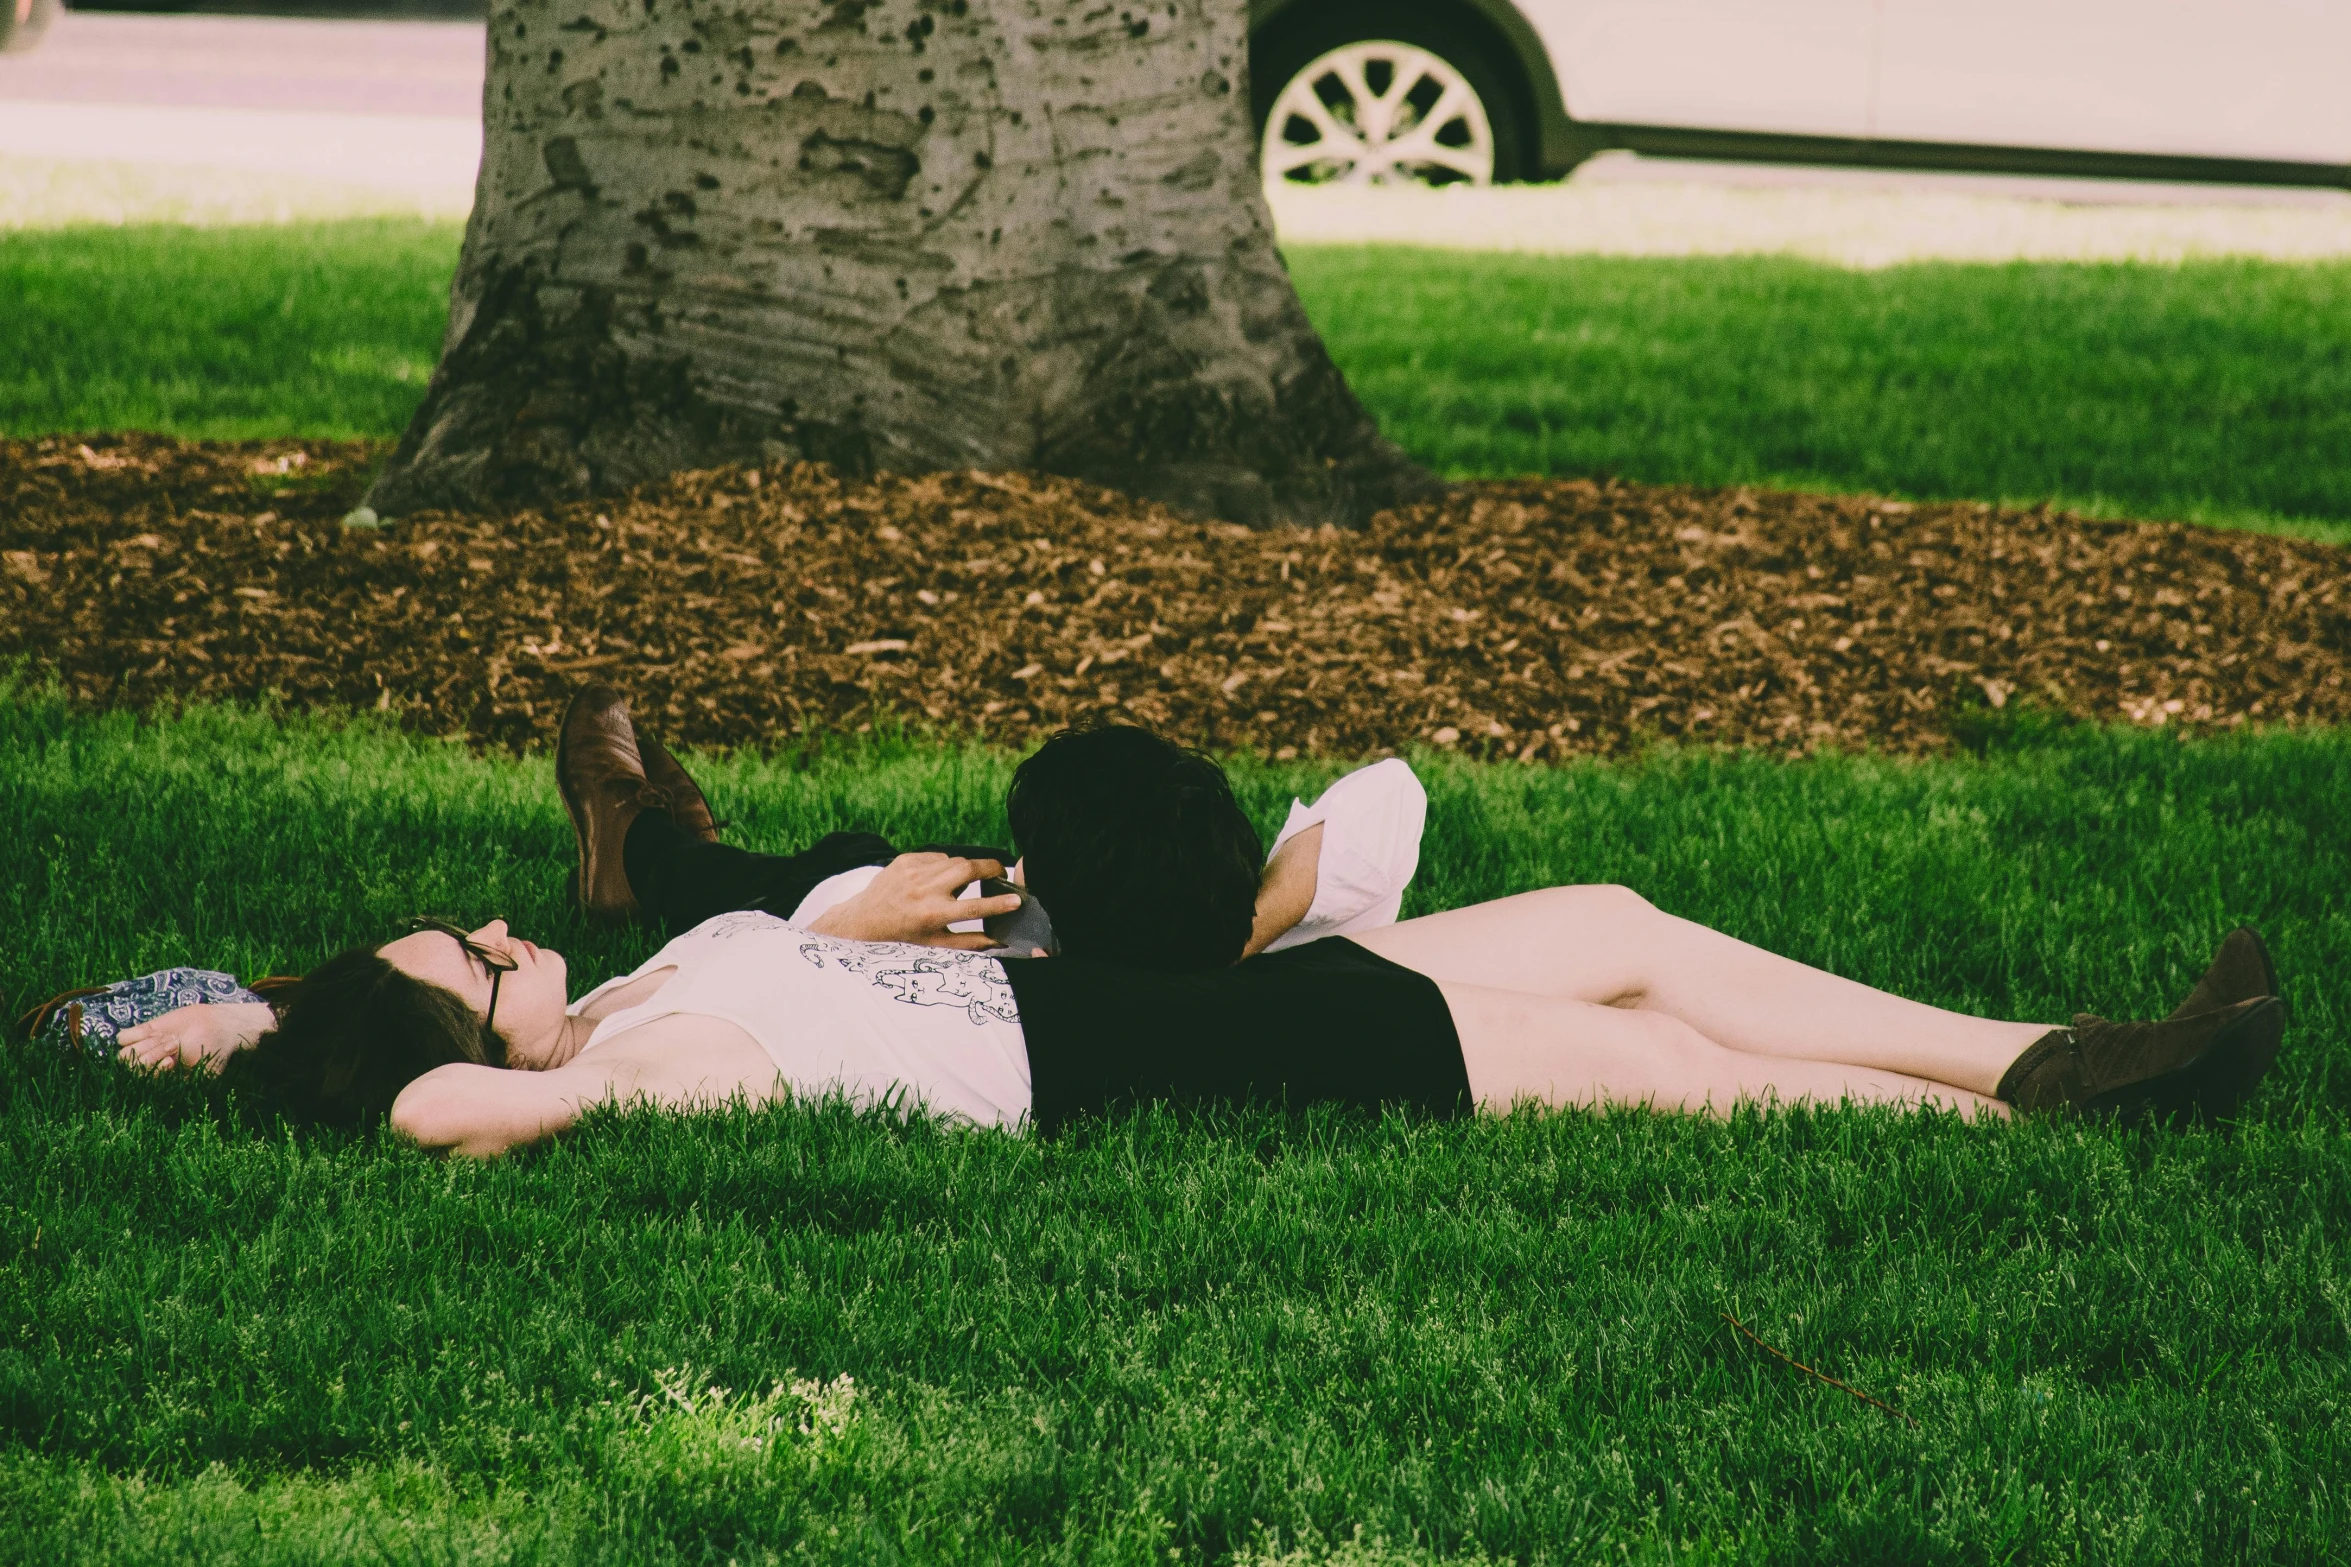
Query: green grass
{"type": "Point", "coordinates": [2213, 391]}
{"type": "Point", "coordinates": [311, 329]}
{"type": "Point", "coordinates": [1171, 1338]}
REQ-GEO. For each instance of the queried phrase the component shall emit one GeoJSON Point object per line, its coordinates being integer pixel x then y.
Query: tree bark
{"type": "Point", "coordinates": [883, 234]}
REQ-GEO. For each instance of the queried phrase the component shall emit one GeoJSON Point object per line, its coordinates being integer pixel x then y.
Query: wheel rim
{"type": "Point", "coordinates": [1377, 113]}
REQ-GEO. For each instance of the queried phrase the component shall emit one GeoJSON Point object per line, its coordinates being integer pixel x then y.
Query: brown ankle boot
{"type": "Point", "coordinates": [686, 806]}
{"type": "Point", "coordinates": [602, 777]}
{"type": "Point", "coordinates": [2240, 971]}
{"type": "Point", "coordinates": [2202, 1066]}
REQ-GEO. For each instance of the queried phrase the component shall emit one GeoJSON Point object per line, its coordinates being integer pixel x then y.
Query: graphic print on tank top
{"type": "Point", "coordinates": [923, 976]}
{"type": "Point", "coordinates": [967, 982]}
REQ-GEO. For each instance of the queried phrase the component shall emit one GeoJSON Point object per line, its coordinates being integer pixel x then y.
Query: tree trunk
{"type": "Point", "coordinates": [883, 234]}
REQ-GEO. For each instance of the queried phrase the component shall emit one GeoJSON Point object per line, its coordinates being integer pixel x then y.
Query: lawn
{"type": "Point", "coordinates": [2214, 391]}
{"type": "Point", "coordinates": [807, 1334]}
{"type": "Point", "coordinates": [327, 329]}
{"type": "Point", "coordinates": [2210, 391]}
{"type": "Point", "coordinates": [1169, 1338]}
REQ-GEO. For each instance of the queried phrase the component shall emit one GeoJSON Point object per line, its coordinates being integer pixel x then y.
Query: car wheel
{"type": "Point", "coordinates": [22, 22]}
{"type": "Point", "coordinates": [1410, 103]}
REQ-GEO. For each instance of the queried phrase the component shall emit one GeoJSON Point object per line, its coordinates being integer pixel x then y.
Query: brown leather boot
{"type": "Point", "coordinates": [602, 776]}
{"type": "Point", "coordinates": [2202, 1066]}
{"type": "Point", "coordinates": [2240, 971]}
{"type": "Point", "coordinates": [686, 806]}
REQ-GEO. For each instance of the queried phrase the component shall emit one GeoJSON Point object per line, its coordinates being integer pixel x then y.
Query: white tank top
{"type": "Point", "coordinates": [875, 1020]}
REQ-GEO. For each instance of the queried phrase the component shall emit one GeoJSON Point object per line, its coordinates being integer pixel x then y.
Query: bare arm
{"type": "Point", "coordinates": [482, 1111]}
{"type": "Point", "coordinates": [1286, 891]}
{"type": "Point", "coordinates": [205, 1035]}
{"type": "Point", "coordinates": [914, 899]}
{"type": "Point", "coordinates": [681, 1062]}
{"type": "Point", "coordinates": [1342, 864]}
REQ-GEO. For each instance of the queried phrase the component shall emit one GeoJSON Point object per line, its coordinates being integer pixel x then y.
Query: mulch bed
{"type": "Point", "coordinates": [1533, 620]}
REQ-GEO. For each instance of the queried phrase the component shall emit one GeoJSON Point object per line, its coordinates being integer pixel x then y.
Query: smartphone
{"type": "Point", "coordinates": [1026, 929]}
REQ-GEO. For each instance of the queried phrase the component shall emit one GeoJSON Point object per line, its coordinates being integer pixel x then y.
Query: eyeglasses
{"type": "Point", "coordinates": [498, 964]}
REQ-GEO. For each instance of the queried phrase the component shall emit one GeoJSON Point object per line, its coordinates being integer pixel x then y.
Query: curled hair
{"type": "Point", "coordinates": [352, 1033]}
{"type": "Point", "coordinates": [1137, 849]}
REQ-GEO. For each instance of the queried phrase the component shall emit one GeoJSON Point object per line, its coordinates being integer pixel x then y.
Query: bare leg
{"type": "Point", "coordinates": [1559, 1052]}
{"type": "Point", "coordinates": [1610, 946]}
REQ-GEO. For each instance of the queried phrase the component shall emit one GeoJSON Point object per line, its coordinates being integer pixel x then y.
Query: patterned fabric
{"type": "Point", "coordinates": [93, 1018]}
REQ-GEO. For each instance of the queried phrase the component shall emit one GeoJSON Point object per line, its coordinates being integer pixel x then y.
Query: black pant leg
{"type": "Point", "coordinates": [681, 881]}
{"type": "Point", "coordinates": [970, 851]}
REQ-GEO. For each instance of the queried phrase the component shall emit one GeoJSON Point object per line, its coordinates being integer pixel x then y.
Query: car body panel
{"type": "Point", "coordinates": [1797, 67]}
{"type": "Point", "coordinates": [2256, 79]}
{"type": "Point", "coordinates": [2247, 91]}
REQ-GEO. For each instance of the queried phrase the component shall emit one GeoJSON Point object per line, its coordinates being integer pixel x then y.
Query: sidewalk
{"type": "Point", "coordinates": [1622, 205]}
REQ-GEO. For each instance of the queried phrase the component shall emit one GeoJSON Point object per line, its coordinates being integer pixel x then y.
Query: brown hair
{"type": "Point", "coordinates": [352, 1033]}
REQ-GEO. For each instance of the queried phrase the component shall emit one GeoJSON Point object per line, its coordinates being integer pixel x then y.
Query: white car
{"type": "Point", "coordinates": [1479, 91]}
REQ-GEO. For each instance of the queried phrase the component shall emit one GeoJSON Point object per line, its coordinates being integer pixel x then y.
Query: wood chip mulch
{"type": "Point", "coordinates": [1532, 620]}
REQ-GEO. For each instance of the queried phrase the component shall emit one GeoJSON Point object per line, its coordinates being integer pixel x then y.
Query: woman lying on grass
{"type": "Point", "coordinates": [1575, 996]}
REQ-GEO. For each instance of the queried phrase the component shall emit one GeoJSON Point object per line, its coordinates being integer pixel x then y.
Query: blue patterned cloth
{"type": "Point", "coordinates": [95, 1019]}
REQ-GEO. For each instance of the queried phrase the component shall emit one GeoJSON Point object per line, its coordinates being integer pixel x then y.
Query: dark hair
{"type": "Point", "coordinates": [1137, 849]}
{"type": "Point", "coordinates": [352, 1033]}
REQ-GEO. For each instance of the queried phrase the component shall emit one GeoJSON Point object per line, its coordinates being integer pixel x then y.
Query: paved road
{"type": "Point", "coordinates": [389, 105]}
{"type": "Point", "coordinates": [396, 106]}
{"type": "Point", "coordinates": [433, 69]}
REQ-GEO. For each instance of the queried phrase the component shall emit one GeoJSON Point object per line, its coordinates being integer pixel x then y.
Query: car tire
{"type": "Point", "coordinates": [1305, 34]}
{"type": "Point", "coordinates": [22, 22]}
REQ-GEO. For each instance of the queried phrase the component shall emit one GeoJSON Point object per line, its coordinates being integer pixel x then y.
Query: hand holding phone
{"type": "Point", "coordinates": [1026, 929]}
